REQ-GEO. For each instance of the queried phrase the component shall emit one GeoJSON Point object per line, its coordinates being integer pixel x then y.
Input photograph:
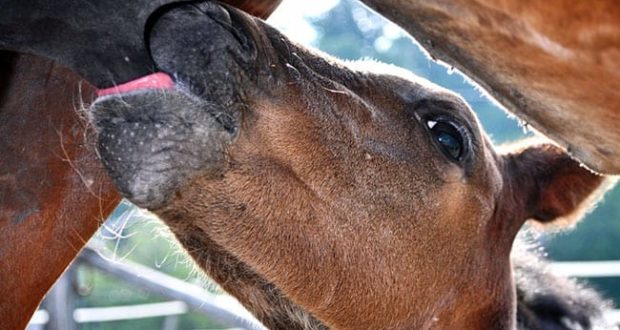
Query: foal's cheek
{"type": "Point", "coordinates": [461, 216]}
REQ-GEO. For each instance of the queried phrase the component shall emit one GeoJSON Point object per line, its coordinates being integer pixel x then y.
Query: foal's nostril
{"type": "Point", "coordinates": [223, 17]}
{"type": "Point", "coordinates": [208, 49]}
{"type": "Point", "coordinates": [216, 12]}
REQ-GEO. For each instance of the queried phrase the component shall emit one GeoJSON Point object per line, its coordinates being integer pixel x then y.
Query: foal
{"type": "Point", "coordinates": [324, 194]}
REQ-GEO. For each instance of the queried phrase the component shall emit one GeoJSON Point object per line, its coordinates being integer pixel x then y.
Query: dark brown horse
{"type": "Point", "coordinates": [53, 192]}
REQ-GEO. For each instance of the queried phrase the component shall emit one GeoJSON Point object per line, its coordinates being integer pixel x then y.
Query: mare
{"type": "Point", "coordinates": [554, 64]}
{"type": "Point", "coordinates": [54, 194]}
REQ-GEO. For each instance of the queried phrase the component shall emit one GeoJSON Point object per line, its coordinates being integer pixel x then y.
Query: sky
{"type": "Point", "coordinates": [290, 18]}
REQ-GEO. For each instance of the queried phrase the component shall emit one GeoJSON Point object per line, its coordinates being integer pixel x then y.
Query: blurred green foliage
{"type": "Point", "coordinates": [348, 31]}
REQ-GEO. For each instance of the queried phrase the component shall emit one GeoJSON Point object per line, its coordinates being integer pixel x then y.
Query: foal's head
{"type": "Point", "coordinates": [358, 193]}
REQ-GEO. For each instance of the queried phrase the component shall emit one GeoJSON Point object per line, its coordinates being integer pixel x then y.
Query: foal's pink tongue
{"type": "Point", "coordinates": [157, 80]}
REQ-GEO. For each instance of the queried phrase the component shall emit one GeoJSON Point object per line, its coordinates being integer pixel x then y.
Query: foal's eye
{"type": "Point", "coordinates": [448, 137]}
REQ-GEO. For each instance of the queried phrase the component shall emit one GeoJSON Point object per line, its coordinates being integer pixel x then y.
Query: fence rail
{"type": "Point", "coordinates": [587, 268]}
{"type": "Point", "coordinates": [222, 309]}
{"type": "Point", "coordinates": [219, 308]}
{"type": "Point", "coordinates": [130, 312]}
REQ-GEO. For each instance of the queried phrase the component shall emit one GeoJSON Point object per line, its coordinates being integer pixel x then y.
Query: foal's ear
{"type": "Point", "coordinates": [547, 185]}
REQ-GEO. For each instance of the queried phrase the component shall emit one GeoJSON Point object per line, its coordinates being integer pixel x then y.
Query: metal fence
{"type": "Point", "coordinates": [59, 315]}
{"type": "Point", "coordinates": [185, 297]}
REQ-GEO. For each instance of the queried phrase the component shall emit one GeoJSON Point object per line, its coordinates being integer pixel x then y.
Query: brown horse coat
{"type": "Point", "coordinates": [53, 191]}
{"type": "Point", "coordinates": [322, 194]}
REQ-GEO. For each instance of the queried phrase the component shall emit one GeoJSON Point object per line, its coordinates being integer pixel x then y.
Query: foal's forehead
{"type": "Point", "coordinates": [418, 94]}
{"type": "Point", "coordinates": [414, 91]}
